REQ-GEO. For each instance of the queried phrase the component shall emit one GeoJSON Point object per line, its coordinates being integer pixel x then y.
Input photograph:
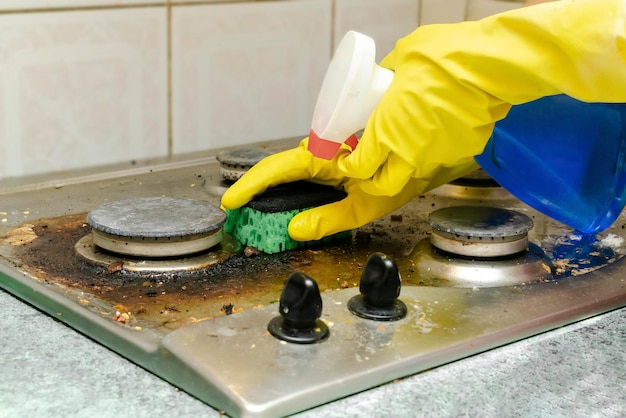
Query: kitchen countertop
{"type": "Point", "coordinates": [48, 369]}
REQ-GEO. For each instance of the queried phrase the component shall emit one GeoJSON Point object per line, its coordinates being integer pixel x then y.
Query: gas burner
{"type": "Point", "coordinates": [475, 185]}
{"type": "Point", "coordinates": [477, 246]}
{"type": "Point", "coordinates": [156, 226]}
{"type": "Point", "coordinates": [479, 231]}
{"type": "Point", "coordinates": [234, 163]}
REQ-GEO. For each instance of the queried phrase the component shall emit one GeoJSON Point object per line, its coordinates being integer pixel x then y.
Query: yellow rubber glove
{"type": "Point", "coordinates": [357, 209]}
{"type": "Point", "coordinates": [453, 82]}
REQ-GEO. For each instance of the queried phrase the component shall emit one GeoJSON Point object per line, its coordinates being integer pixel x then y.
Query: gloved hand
{"type": "Point", "coordinates": [357, 209]}
{"type": "Point", "coordinates": [451, 84]}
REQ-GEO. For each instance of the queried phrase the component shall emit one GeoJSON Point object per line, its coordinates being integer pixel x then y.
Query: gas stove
{"type": "Point", "coordinates": [200, 321]}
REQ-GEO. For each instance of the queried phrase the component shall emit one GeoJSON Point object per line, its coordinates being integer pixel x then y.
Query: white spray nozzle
{"type": "Point", "coordinates": [352, 87]}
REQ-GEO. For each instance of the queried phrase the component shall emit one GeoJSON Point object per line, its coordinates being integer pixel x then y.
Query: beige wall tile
{"type": "Point", "coordinates": [385, 22]}
{"type": "Point", "coordinates": [245, 72]}
{"type": "Point", "coordinates": [477, 9]}
{"type": "Point", "coordinates": [442, 11]}
{"type": "Point", "coordinates": [81, 88]}
{"type": "Point", "coordinates": [210, 1]}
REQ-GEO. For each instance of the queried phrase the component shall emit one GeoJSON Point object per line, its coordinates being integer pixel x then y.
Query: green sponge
{"type": "Point", "coordinates": [263, 222]}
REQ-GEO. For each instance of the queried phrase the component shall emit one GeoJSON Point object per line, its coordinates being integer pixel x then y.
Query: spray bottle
{"type": "Point", "coordinates": [352, 87]}
{"type": "Point", "coordinates": [564, 157]}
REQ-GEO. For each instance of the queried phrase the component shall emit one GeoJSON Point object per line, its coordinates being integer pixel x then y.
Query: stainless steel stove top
{"type": "Point", "coordinates": [232, 363]}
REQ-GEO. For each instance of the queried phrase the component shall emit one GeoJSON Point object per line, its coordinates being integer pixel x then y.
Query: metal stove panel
{"type": "Point", "coordinates": [232, 363]}
{"type": "Point", "coordinates": [244, 370]}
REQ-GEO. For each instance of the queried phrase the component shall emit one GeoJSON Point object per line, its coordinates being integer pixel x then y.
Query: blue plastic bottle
{"type": "Point", "coordinates": [563, 157]}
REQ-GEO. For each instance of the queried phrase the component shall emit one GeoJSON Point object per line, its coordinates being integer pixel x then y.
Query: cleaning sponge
{"type": "Point", "coordinates": [263, 222]}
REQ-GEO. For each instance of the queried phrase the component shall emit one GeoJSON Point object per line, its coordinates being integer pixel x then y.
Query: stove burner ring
{"type": "Point", "coordinates": [235, 163]}
{"type": "Point", "coordinates": [85, 248]}
{"type": "Point", "coordinates": [479, 231]}
{"type": "Point", "coordinates": [156, 226]}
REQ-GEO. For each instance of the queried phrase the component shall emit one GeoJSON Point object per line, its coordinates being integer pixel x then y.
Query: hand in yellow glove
{"type": "Point", "coordinates": [453, 82]}
{"type": "Point", "coordinates": [357, 209]}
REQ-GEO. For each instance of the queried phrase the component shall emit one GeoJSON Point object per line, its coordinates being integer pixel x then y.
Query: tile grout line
{"type": "Point", "coordinates": [419, 13]}
{"type": "Point", "coordinates": [170, 104]}
{"type": "Point", "coordinates": [333, 19]}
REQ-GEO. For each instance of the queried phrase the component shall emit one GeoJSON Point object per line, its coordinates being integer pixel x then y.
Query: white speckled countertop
{"type": "Point", "coordinates": [49, 370]}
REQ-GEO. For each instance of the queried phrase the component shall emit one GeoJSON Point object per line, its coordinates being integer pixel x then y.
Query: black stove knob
{"type": "Point", "coordinates": [300, 308]}
{"type": "Point", "coordinates": [380, 287]}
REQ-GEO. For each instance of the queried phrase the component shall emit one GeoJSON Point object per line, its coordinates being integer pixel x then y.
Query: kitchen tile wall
{"type": "Point", "coordinates": [240, 72]}
{"type": "Point", "coordinates": [86, 83]}
{"type": "Point", "coordinates": [477, 9]}
{"type": "Point", "coordinates": [385, 21]}
{"type": "Point", "coordinates": [442, 11]}
{"type": "Point", "coordinates": [81, 88]}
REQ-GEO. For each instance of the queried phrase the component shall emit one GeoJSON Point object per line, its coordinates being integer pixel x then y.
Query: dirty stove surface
{"type": "Point", "coordinates": [200, 322]}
